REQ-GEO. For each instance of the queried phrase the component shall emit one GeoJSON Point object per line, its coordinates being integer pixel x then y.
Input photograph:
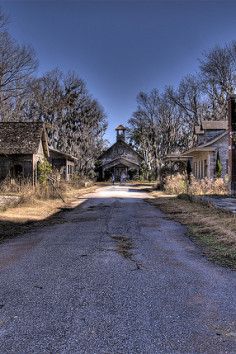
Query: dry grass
{"type": "Point", "coordinates": [38, 212]}
{"type": "Point", "coordinates": [40, 209]}
{"type": "Point", "coordinates": [214, 230]}
{"type": "Point", "coordinates": [178, 184]}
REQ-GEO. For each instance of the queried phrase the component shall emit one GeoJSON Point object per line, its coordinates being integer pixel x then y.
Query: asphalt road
{"type": "Point", "coordinates": [113, 276]}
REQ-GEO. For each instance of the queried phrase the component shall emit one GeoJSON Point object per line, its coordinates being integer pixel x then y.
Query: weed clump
{"type": "Point", "coordinates": [179, 184]}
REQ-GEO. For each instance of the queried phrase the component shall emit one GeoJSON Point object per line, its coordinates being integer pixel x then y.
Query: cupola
{"type": "Point", "coordinates": [120, 133]}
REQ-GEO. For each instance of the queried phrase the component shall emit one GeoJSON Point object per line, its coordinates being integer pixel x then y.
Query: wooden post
{"type": "Point", "coordinates": [232, 143]}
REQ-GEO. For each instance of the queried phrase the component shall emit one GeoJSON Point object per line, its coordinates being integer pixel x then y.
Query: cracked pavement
{"type": "Point", "coordinates": [114, 275]}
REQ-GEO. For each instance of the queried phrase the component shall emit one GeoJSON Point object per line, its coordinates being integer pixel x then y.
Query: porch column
{"type": "Point", "coordinates": [209, 166]}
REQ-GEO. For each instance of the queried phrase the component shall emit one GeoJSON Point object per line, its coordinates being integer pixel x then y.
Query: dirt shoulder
{"type": "Point", "coordinates": [39, 213]}
{"type": "Point", "coordinates": [212, 229]}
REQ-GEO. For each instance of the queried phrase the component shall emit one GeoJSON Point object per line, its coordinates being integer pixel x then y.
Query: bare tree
{"type": "Point", "coordinates": [75, 122]}
{"type": "Point", "coordinates": [85, 123]}
{"type": "Point", "coordinates": [17, 64]}
{"type": "Point", "coordinates": [188, 97]}
{"type": "Point", "coordinates": [4, 19]}
{"type": "Point", "coordinates": [164, 123]}
{"type": "Point", "coordinates": [157, 129]}
{"type": "Point", "coordinates": [217, 72]}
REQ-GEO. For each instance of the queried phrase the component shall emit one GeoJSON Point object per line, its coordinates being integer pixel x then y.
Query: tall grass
{"type": "Point", "coordinates": [28, 192]}
{"type": "Point", "coordinates": [178, 184]}
{"type": "Point", "coordinates": [53, 188]}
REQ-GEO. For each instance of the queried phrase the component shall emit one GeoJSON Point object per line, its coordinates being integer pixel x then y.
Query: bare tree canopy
{"type": "Point", "coordinates": [3, 20]}
{"type": "Point", "coordinates": [17, 64]}
{"type": "Point", "coordinates": [163, 123]}
{"type": "Point", "coordinates": [75, 121]}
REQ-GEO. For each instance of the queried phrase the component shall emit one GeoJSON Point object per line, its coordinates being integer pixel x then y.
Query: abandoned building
{"type": "Point", "coordinates": [23, 145]}
{"type": "Point", "coordinates": [62, 162]}
{"type": "Point", "coordinates": [120, 159]}
{"type": "Point", "coordinates": [211, 138]}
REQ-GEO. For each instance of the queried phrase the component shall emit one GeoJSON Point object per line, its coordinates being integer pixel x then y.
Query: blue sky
{"type": "Point", "coordinates": [122, 47]}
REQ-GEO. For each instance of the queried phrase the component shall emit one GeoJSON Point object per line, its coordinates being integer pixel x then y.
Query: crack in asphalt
{"type": "Point", "coordinates": [124, 245]}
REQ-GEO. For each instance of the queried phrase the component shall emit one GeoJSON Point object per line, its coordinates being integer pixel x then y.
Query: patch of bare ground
{"type": "Point", "coordinates": [36, 213]}
{"type": "Point", "coordinates": [124, 246]}
{"type": "Point", "coordinates": [213, 229]}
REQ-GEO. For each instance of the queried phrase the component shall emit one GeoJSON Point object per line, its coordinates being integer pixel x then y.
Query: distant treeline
{"type": "Point", "coordinates": [75, 121]}
{"type": "Point", "coordinates": [163, 122]}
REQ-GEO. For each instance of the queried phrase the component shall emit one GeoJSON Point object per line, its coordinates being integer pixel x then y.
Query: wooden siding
{"type": "Point", "coordinates": [204, 163]}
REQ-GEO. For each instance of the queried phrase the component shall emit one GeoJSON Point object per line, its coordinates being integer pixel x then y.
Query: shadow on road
{"type": "Point", "coordinates": [11, 229]}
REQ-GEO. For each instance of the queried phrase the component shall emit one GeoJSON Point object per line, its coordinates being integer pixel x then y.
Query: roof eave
{"type": "Point", "coordinates": [68, 156]}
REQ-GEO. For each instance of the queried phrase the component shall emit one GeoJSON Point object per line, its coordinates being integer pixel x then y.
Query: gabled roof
{"type": "Point", "coordinates": [120, 160]}
{"type": "Point", "coordinates": [22, 138]}
{"type": "Point", "coordinates": [212, 141]}
{"type": "Point", "coordinates": [120, 142]}
{"type": "Point", "coordinates": [199, 148]}
{"type": "Point", "coordinates": [206, 146]}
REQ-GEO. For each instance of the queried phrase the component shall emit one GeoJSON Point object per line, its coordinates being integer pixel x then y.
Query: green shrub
{"type": "Point", "coordinates": [218, 166]}
{"type": "Point", "coordinates": [45, 170]}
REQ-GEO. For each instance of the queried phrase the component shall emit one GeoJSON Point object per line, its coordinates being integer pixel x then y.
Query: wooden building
{"type": "Point", "coordinates": [23, 145]}
{"type": "Point", "coordinates": [62, 162]}
{"type": "Point", "coordinates": [211, 138]}
{"type": "Point", "coordinates": [120, 159]}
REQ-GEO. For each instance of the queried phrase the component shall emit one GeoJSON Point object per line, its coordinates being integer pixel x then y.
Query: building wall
{"type": "Point", "coordinates": [200, 165]}
{"type": "Point", "coordinates": [8, 162]}
{"type": "Point", "coordinates": [223, 146]}
{"type": "Point", "coordinates": [39, 156]}
{"type": "Point", "coordinates": [204, 163]}
{"type": "Point", "coordinates": [4, 166]}
{"type": "Point", "coordinates": [70, 169]}
{"type": "Point", "coordinates": [119, 150]}
{"type": "Point", "coordinates": [60, 163]}
{"type": "Point", "coordinates": [28, 163]}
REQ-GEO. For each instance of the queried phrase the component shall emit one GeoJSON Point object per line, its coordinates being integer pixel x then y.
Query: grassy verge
{"type": "Point", "coordinates": [38, 213]}
{"type": "Point", "coordinates": [214, 230]}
